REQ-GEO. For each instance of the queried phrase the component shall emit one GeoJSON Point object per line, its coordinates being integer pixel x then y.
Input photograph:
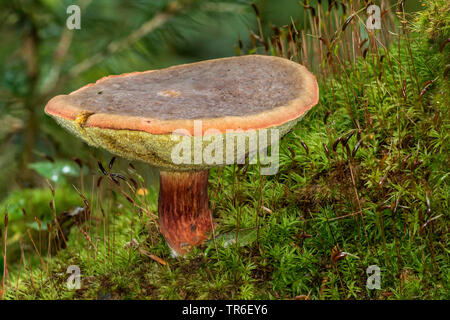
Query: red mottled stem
{"type": "Point", "coordinates": [184, 216]}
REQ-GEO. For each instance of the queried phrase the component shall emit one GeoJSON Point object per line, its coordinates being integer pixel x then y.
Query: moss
{"type": "Point", "coordinates": [328, 213]}
{"type": "Point", "coordinates": [434, 21]}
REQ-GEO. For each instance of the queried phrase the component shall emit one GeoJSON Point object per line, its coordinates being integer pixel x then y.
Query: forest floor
{"type": "Point", "coordinates": [363, 181]}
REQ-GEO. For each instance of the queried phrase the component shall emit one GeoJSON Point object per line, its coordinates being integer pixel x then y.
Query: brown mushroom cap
{"type": "Point", "coordinates": [247, 92]}
{"type": "Point", "coordinates": [135, 115]}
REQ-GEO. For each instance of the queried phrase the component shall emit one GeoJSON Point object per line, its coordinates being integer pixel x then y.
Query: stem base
{"type": "Point", "coordinates": [183, 207]}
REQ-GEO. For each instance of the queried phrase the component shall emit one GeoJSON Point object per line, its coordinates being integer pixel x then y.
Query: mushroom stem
{"type": "Point", "coordinates": [184, 216]}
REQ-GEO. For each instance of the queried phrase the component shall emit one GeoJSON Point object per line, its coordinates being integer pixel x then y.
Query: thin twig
{"type": "Point", "coordinates": [158, 20]}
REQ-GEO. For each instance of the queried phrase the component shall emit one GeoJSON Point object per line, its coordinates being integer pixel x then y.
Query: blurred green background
{"type": "Point", "coordinates": [41, 58]}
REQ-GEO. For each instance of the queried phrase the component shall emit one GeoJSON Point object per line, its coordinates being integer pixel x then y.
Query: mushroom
{"type": "Point", "coordinates": [180, 120]}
